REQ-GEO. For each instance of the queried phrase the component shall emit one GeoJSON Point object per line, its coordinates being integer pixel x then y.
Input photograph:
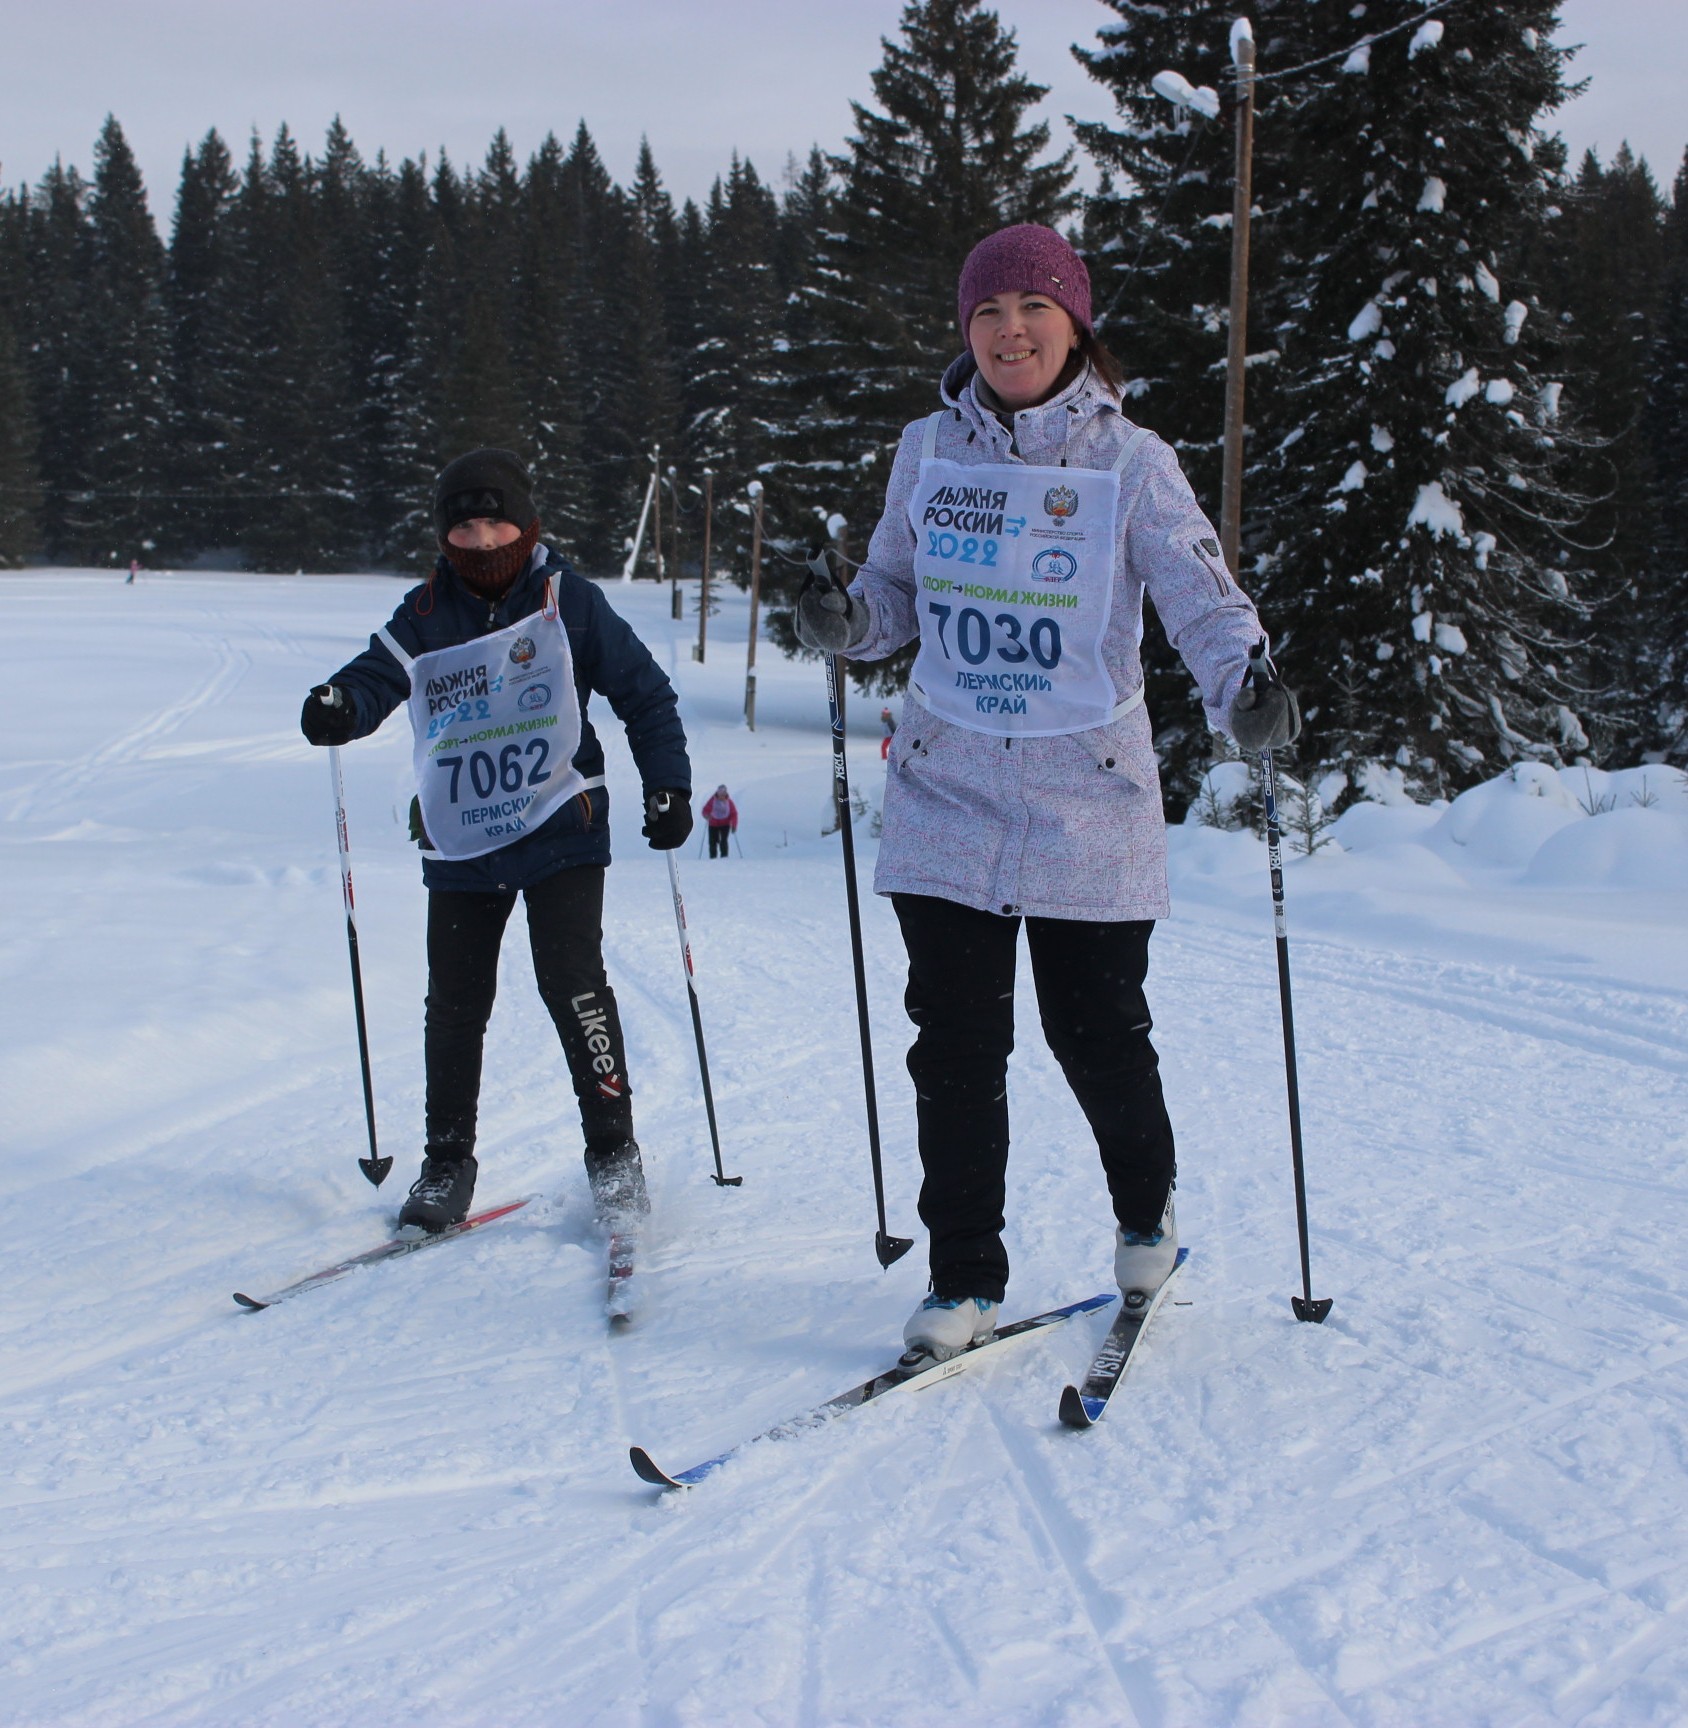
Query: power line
{"type": "Point", "coordinates": [1354, 48]}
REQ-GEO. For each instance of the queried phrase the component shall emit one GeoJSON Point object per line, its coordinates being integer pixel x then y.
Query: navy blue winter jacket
{"type": "Point", "coordinates": [608, 659]}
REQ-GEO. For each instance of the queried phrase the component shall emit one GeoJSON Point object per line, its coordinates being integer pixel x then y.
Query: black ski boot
{"type": "Point", "coordinates": [440, 1196]}
{"type": "Point", "coordinates": [618, 1182]}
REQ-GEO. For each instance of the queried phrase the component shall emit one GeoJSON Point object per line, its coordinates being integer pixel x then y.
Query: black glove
{"type": "Point", "coordinates": [827, 618]}
{"type": "Point", "coordinates": [1265, 715]}
{"type": "Point", "coordinates": [668, 819]}
{"type": "Point", "coordinates": [327, 717]}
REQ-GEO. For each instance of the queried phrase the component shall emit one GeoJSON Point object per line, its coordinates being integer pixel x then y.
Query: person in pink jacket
{"type": "Point", "coordinates": [1024, 522]}
{"type": "Point", "coordinates": [720, 815]}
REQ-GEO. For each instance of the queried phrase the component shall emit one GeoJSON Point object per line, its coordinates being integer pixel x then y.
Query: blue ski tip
{"type": "Point", "coordinates": [647, 1470]}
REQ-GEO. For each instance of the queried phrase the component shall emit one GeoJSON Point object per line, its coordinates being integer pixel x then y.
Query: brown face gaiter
{"type": "Point", "coordinates": [492, 571]}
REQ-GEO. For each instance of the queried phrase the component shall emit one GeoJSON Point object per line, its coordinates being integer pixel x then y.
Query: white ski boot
{"type": "Point", "coordinates": [944, 1326]}
{"type": "Point", "coordinates": [1145, 1262]}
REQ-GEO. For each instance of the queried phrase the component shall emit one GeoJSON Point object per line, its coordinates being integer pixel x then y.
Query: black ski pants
{"type": "Point", "coordinates": [719, 836]}
{"type": "Point", "coordinates": [1089, 980]}
{"type": "Point", "coordinates": [565, 932]}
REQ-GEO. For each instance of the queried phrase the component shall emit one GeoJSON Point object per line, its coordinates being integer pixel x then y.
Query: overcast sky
{"type": "Point", "coordinates": [702, 78]}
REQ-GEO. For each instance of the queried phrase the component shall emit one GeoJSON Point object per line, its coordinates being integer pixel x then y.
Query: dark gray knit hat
{"type": "Point", "coordinates": [491, 483]}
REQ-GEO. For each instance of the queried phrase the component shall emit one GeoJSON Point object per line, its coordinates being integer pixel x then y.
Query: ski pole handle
{"type": "Point", "coordinates": [820, 567]}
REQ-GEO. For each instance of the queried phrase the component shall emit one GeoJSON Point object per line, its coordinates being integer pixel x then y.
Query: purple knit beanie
{"type": "Point", "coordinates": [1025, 259]}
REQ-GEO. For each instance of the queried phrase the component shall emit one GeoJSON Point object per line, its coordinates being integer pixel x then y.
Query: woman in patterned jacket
{"type": "Point", "coordinates": [1024, 522]}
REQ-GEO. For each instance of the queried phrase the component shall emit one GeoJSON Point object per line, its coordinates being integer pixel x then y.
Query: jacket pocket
{"type": "Point", "coordinates": [1123, 751]}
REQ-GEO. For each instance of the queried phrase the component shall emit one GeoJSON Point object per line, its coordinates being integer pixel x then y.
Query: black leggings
{"type": "Point", "coordinates": [565, 931]}
{"type": "Point", "coordinates": [960, 996]}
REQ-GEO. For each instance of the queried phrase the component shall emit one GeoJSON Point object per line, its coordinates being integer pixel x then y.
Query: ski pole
{"type": "Point", "coordinates": [375, 1167]}
{"type": "Point", "coordinates": [720, 1179]}
{"type": "Point", "coordinates": [889, 1248]}
{"type": "Point", "coordinates": [1262, 671]}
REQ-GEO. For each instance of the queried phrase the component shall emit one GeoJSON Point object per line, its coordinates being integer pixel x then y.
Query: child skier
{"type": "Point", "coordinates": [496, 655]}
{"type": "Point", "coordinates": [720, 815]}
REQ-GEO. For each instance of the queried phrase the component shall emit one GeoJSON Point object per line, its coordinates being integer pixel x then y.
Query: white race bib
{"type": "Point", "coordinates": [1014, 577]}
{"type": "Point", "coordinates": [496, 723]}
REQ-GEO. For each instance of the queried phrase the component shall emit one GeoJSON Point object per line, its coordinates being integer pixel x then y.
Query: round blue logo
{"type": "Point", "coordinates": [535, 696]}
{"type": "Point", "coordinates": [1054, 564]}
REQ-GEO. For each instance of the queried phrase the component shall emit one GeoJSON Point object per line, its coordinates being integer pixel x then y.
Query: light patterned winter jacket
{"type": "Point", "coordinates": [1071, 826]}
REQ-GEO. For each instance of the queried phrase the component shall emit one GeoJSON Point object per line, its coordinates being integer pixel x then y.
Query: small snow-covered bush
{"type": "Point", "coordinates": [1226, 798]}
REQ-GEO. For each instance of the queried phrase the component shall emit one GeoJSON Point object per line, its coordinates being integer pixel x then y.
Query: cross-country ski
{"type": "Point", "coordinates": [913, 1370]}
{"type": "Point", "coordinates": [622, 1295]}
{"type": "Point", "coordinates": [406, 1241]}
{"type": "Point", "coordinates": [1083, 1405]}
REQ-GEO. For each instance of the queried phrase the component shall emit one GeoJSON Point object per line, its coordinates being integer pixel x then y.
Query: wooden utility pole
{"type": "Point", "coordinates": [675, 610]}
{"type": "Point", "coordinates": [755, 598]}
{"type": "Point", "coordinates": [656, 525]}
{"type": "Point", "coordinates": [1236, 360]}
{"type": "Point", "coordinates": [703, 585]}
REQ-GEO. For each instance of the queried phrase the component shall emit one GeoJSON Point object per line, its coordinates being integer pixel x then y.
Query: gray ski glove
{"type": "Point", "coordinates": [1265, 715]}
{"type": "Point", "coordinates": [827, 618]}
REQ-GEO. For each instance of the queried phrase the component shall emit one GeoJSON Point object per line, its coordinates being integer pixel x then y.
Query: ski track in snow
{"type": "Point", "coordinates": [405, 1498]}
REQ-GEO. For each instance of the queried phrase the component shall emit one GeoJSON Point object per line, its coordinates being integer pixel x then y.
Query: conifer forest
{"type": "Point", "coordinates": [1464, 509]}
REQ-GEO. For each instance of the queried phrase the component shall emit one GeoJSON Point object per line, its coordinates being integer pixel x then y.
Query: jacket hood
{"type": "Point", "coordinates": [1086, 395]}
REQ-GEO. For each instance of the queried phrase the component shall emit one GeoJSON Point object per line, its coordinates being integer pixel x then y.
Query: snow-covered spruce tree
{"type": "Point", "coordinates": [943, 159]}
{"type": "Point", "coordinates": [1412, 520]}
{"type": "Point", "coordinates": [641, 400]}
{"type": "Point", "coordinates": [20, 481]}
{"type": "Point", "coordinates": [481, 399]}
{"type": "Point", "coordinates": [649, 258]}
{"type": "Point", "coordinates": [416, 449]}
{"type": "Point", "coordinates": [396, 465]}
{"type": "Point", "coordinates": [298, 485]}
{"type": "Point", "coordinates": [118, 367]}
{"type": "Point", "coordinates": [1611, 260]}
{"type": "Point", "coordinates": [20, 473]}
{"type": "Point", "coordinates": [604, 482]}
{"type": "Point", "coordinates": [543, 343]}
{"type": "Point", "coordinates": [199, 515]}
{"type": "Point", "coordinates": [1158, 238]}
{"type": "Point", "coordinates": [372, 238]}
{"type": "Point", "coordinates": [731, 393]}
{"type": "Point", "coordinates": [45, 309]}
{"type": "Point", "coordinates": [1666, 431]}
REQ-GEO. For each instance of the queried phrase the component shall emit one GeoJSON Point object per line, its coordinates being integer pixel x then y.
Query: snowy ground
{"type": "Point", "coordinates": [406, 1499]}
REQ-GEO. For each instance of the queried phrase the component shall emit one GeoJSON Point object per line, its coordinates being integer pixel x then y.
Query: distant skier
{"type": "Point", "coordinates": [888, 724]}
{"type": "Point", "coordinates": [134, 571]}
{"type": "Point", "coordinates": [720, 815]}
{"type": "Point", "coordinates": [497, 654]}
{"type": "Point", "coordinates": [1025, 784]}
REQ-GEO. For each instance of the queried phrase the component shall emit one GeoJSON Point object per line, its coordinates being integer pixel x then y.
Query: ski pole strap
{"type": "Point", "coordinates": [1261, 671]}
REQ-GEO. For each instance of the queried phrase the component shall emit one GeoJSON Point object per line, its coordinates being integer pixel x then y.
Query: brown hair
{"type": "Point", "coordinates": [1103, 361]}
